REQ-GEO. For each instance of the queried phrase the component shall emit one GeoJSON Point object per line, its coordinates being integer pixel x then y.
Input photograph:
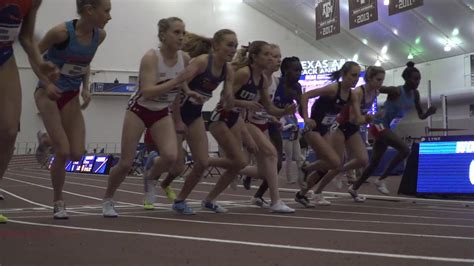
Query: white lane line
{"type": "Point", "coordinates": [407, 208]}
{"type": "Point", "coordinates": [65, 191]}
{"type": "Point", "coordinates": [306, 210]}
{"type": "Point", "coordinates": [385, 214]}
{"type": "Point", "coordinates": [26, 200]}
{"type": "Point", "coordinates": [301, 228]}
{"type": "Point", "coordinates": [130, 184]}
{"type": "Point", "coordinates": [348, 220]}
{"type": "Point", "coordinates": [255, 244]}
{"type": "Point", "coordinates": [330, 193]}
{"type": "Point", "coordinates": [271, 226]}
{"type": "Point", "coordinates": [292, 190]}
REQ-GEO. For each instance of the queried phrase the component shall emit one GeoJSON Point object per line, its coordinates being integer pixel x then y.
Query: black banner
{"type": "Point", "coordinates": [327, 18]}
{"type": "Point", "coordinates": [397, 6]}
{"type": "Point", "coordinates": [362, 12]}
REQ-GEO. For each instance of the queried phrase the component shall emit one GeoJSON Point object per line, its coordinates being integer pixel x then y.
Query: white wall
{"type": "Point", "coordinates": [130, 33]}
{"type": "Point", "coordinates": [449, 76]}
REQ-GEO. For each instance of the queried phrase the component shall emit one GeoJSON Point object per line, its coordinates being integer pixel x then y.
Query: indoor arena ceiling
{"type": "Point", "coordinates": [438, 29]}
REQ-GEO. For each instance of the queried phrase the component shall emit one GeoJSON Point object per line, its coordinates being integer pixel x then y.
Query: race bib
{"type": "Point", "coordinates": [261, 115]}
{"type": "Point", "coordinates": [73, 70]}
{"type": "Point", "coordinates": [168, 97]}
{"type": "Point", "coordinates": [328, 119]}
{"type": "Point", "coordinates": [8, 34]}
{"type": "Point", "coordinates": [334, 126]}
{"type": "Point", "coordinates": [195, 101]}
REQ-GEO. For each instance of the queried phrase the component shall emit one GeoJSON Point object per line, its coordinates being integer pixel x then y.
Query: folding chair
{"type": "Point", "coordinates": [212, 170]}
{"type": "Point", "coordinates": [138, 163]}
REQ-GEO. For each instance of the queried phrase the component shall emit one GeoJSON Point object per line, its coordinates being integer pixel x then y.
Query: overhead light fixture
{"type": "Point", "coordinates": [386, 2]}
{"type": "Point", "coordinates": [395, 31]}
{"type": "Point", "coordinates": [384, 49]}
{"type": "Point", "coordinates": [364, 41]}
{"type": "Point", "coordinates": [355, 57]}
{"type": "Point", "coordinates": [447, 47]}
{"type": "Point", "coordinates": [378, 62]}
{"type": "Point", "coordinates": [455, 32]}
{"type": "Point", "coordinates": [410, 56]}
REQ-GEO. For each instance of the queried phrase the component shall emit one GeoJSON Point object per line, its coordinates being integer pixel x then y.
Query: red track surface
{"type": "Point", "coordinates": [384, 231]}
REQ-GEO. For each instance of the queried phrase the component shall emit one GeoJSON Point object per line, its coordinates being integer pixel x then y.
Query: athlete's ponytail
{"type": "Point", "coordinates": [196, 45]}
{"type": "Point", "coordinates": [243, 59]}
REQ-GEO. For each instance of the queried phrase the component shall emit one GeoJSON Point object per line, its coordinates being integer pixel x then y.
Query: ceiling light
{"type": "Point", "coordinates": [355, 57]}
{"type": "Point", "coordinates": [386, 2]}
{"type": "Point", "coordinates": [395, 31]}
{"type": "Point", "coordinates": [384, 49]}
{"type": "Point", "coordinates": [455, 32]}
{"type": "Point", "coordinates": [364, 41]}
{"type": "Point", "coordinates": [410, 56]}
{"type": "Point", "coordinates": [447, 47]}
{"type": "Point", "coordinates": [378, 62]}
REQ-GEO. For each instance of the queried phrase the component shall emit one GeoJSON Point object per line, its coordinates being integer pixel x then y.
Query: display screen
{"type": "Point", "coordinates": [87, 163]}
{"type": "Point", "coordinates": [446, 165]}
{"type": "Point", "coordinates": [100, 164]}
{"type": "Point", "coordinates": [76, 165]}
{"type": "Point", "coordinates": [69, 166]}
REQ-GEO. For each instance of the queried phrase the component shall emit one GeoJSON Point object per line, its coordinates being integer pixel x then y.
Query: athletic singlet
{"type": "Point", "coordinates": [325, 109]}
{"type": "Point", "coordinates": [261, 117]}
{"type": "Point", "coordinates": [204, 84]}
{"type": "Point", "coordinates": [12, 13]}
{"type": "Point", "coordinates": [365, 107]}
{"type": "Point", "coordinates": [165, 73]}
{"type": "Point", "coordinates": [248, 92]}
{"type": "Point", "coordinates": [395, 110]}
{"type": "Point", "coordinates": [72, 58]}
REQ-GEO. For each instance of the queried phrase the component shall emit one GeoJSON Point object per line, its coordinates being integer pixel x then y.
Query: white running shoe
{"type": "Point", "coordinates": [320, 200]}
{"type": "Point", "coordinates": [108, 209]}
{"type": "Point", "coordinates": [281, 207]}
{"type": "Point", "coordinates": [59, 210]}
{"type": "Point", "coordinates": [381, 186]}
